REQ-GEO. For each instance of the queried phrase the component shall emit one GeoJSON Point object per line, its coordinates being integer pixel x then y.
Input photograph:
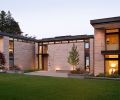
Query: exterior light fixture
{"type": "Point", "coordinates": [57, 68]}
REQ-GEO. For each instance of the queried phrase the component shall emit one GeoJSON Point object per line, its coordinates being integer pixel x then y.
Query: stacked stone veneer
{"type": "Point", "coordinates": [24, 55]}
{"type": "Point", "coordinates": [91, 55]}
{"type": "Point", "coordinates": [58, 56]}
{"type": "Point", "coordinates": [99, 45]}
{"type": "Point", "coordinates": [4, 48]}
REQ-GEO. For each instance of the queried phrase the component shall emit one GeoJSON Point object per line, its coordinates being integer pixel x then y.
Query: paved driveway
{"type": "Point", "coordinates": [48, 73]}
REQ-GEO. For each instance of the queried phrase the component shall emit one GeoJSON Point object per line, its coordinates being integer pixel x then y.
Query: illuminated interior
{"type": "Point", "coordinates": [11, 54]}
{"type": "Point", "coordinates": [112, 42]}
{"type": "Point", "coordinates": [111, 56]}
{"type": "Point", "coordinates": [40, 62]}
{"type": "Point", "coordinates": [42, 57]}
{"type": "Point", "coordinates": [111, 66]}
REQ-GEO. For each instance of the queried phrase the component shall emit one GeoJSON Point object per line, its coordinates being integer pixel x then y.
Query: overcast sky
{"type": "Point", "coordinates": [49, 18]}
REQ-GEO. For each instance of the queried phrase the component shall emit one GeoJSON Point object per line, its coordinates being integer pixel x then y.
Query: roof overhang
{"type": "Point", "coordinates": [11, 35]}
{"type": "Point", "coordinates": [106, 23]}
{"type": "Point", "coordinates": [66, 38]}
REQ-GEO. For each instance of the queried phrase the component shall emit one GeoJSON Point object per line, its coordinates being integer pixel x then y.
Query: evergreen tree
{"type": "Point", "coordinates": [73, 57]}
{"type": "Point", "coordinates": [2, 21]}
{"type": "Point", "coordinates": [8, 24]}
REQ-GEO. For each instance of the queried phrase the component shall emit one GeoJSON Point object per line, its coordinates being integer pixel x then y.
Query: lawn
{"type": "Point", "coordinates": [23, 87]}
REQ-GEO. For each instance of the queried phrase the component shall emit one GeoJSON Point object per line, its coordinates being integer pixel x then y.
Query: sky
{"type": "Point", "coordinates": [50, 18]}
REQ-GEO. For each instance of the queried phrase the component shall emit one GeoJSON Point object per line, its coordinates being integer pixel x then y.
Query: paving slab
{"type": "Point", "coordinates": [48, 73]}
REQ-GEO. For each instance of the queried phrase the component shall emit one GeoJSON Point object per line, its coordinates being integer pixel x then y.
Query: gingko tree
{"type": "Point", "coordinates": [73, 57]}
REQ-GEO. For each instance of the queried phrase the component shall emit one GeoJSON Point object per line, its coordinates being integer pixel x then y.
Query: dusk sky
{"type": "Point", "coordinates": [49, 18]}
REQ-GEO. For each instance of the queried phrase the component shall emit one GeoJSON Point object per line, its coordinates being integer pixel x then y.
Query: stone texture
{"type": "Point", "coordinates": [58, 53]}
{"type": "Point", "coordinates": [4, 48]}
{"type": "Point", "coordinates": [36, 55]}
{"type": "Point", "coordinates": [99, 45]}
{"type": "Point", "coordinates": [24, 55]}
{"type": "Point", "coordinates": [91, 55]}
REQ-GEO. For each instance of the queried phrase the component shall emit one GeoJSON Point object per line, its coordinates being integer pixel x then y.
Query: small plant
{"type": "Point", "coordinates": [78, 71]}
{"type": "Point", "coordinates": [114, 75]}
{"type": "Point", "coordinates": [15, 68]}
{"type": "Point", "coordinates": [2, 59]}
{"type": "Point", "coordinates": [2, 62]}
{"type": "Point", "coordinates": [100, 75]}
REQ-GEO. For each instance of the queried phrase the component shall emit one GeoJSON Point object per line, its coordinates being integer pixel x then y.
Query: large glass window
{"type": "Point", "coordinates": [87, 55]}
{"type": "Point", "coordinates": [87, 63]}
{"type": "Point", "coordinates": [11, 53]}
{"type": "Point", "coordinates": [111, 66]}
{"type": "Point", "coordinates": [112, 42]}
{"type": "Point", "coordinates": [86, 45]}
{"type": "Point", "coordinates": [40, 49]}
{"type": "Point", "coordinates": [43, 49]}
{"type": "Point", "coordinates": [40, 62]}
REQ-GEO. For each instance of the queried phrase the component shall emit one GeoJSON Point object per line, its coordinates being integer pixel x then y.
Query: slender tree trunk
{"type": "Point", "coordinates": [73, 67]}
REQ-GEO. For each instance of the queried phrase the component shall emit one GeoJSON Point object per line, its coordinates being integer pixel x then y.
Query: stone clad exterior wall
{"type": "Point", "coordinates": [36, 56]}
{"type": "Point", "coordinates": [24, 55]}
{"type": "Point", "coordinates": [4, 48]}
{"type": "Point", "coordinates": [58, 53]}
{"type": "Point", "coordinates": [99, 45]}
{"type": "Point", "coordinates": [91, 55]}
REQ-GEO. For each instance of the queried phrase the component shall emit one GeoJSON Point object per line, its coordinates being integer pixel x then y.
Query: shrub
{"type": "Point", "coordinates": [2, 59]}
{"type": "Point", "coordinates": [2, 67]}
{"type": "Point", "coordinates": [100, 75]}
{"type": "Point", "coordinates": [15, 67]}
{"type": "Point", "coordinates": [30, 70]}
{"type": "Point", "coordinates": [78, 71]}
{"type": "Point", "coordinates": [114, 75]}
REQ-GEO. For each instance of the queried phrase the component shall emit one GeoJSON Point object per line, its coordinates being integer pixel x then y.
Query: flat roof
{"type": "Point", "coordinates": [66, 38]}
{"type": "Point", "coordinates": [105, 20]}
{"type": "Point", "coordinates": [17, 36]}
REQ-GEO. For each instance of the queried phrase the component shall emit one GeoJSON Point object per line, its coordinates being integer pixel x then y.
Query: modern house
{"type": "Point", "coordinates": [99, 53]}
{"type": "Point", "coordinates": [106, 45]}
{"type": "Point", "coordinates": [53, 52]}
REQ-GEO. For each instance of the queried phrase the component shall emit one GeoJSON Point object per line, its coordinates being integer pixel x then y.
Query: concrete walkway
{"type": "Point", "coordinates": [48, 73]}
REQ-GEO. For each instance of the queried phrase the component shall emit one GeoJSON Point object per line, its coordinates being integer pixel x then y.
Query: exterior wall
{"type": "Point", "coordinates": [4, 48]}
{"type": "Point", "coordinates": [36, 56]}
{"type": "Point", "coordinates": [24, 55]}
{"type": "Point", "coordinates": [1, 44]}
{"type": "Point", "coordinates": [91, 55]}
{"type": "Point", "coordinates": [58, 53]}
{"type": "Point", "coordinates": [99, 45]}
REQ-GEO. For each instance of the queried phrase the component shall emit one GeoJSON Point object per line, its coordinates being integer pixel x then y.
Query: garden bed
{"type": "Point", "coordinates": [81, 76]}
{"type": "Point", "coordinates": [14, 71]}
{"type": "Point", "coordinates": [102, 78]}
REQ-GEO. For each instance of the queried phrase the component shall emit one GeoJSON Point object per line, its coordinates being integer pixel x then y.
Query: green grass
{"type": "Point", "coordinates": [23, 87]}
